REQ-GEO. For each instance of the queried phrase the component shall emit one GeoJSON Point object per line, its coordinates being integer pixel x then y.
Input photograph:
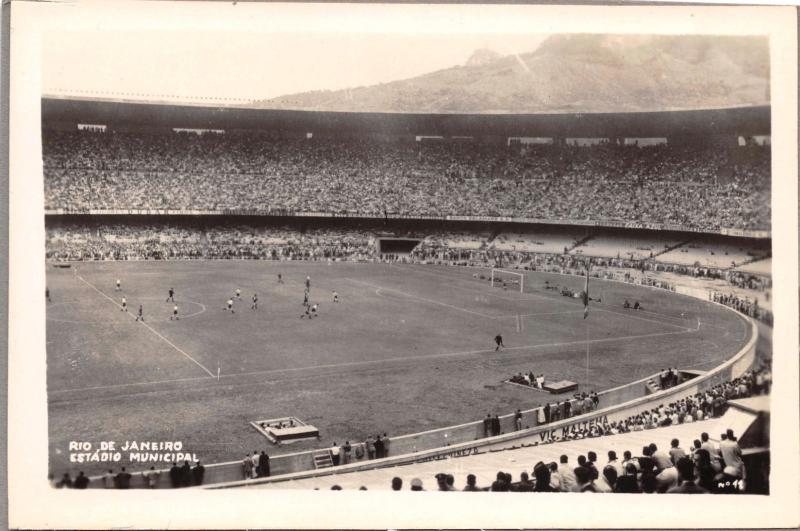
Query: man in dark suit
{"type": "Point", "coordinates": [496, 425]}
{"type": "Point", "coordinates": [263, 465]}
{"type": "Point", "coordinates": [379, 449]}
{"type": "Point", "coordinates": [175, 476]}
{"type": "Point", "coordinates": [197, 474]}
{"type": "Point", "coordinates": [81, 482]}
{"type": "Point", "coordinates": [487, 425]}
{"type": "Point", "coordinates": [186, 474]}
{"type": "Point", "coordinates": [123, 479]}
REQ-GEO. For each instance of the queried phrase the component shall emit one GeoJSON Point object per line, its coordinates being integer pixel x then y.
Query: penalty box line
{"type": "Point", "coordinates": [602, 306]}
{"type": "Point", "coordinates": [153, 330]}
{"type": "Point", "coordinates": [388, 360]}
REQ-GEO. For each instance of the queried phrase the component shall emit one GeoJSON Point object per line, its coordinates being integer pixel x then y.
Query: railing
{"type": "Point", "coordinates": [744, 233]}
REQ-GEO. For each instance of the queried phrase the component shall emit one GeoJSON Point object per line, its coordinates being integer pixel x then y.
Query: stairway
{"type": "Point", "coordinates": [323, 460]}
{"type": "Point", "coordinates": [580, 242]}
{"type": "Point", "coordinates": [670, 248]}
{"type": "Point", "coordinates": [754, 259]}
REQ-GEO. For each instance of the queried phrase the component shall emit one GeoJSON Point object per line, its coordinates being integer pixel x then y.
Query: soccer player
{"type": "Point", "coordinates": [280, 278]}
{"type": "Point", "coordinates": [119, 285]}
{"type": "Point", "coordinates": [238, 293]}
{"type": "Point", "coordinates": [174, 313]}
{"type": "Point", "coordinates": [254, 306]}
{"type": "Point", "coordinates": [307, 314]}
{"type": "Point", "coordinates": [230, 306]}
{"type": "Point", "coordinates": [47, 294]}
{"type": "Point", "coordinates": [171, 296]}
{"type": "Point", "coordinates": [124, 305]}
{"type": "Point", "coordinates": [498, 339]}
{"type": "Point", "coordinates": [314, 310]}
{"type": "Point", "coordinates": [308, 283]}
{"type": "Point", "coordinates": [335, 297]}
{"type": "Point", "coordinates": [140, 316]}
{"type": "Point", "coordinates": [305, 298]}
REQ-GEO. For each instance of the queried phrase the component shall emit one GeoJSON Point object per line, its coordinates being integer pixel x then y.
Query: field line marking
{"type": "Point", "coordinates": [116, 386]}
{"type": "Point", "coordinates": [417, 268]}
{"type": "Point", "coordinates": [643, 318]}
{"type": "Point", "coordinates": [167, 341]}
{"type": "Point", "coordinates": [536, 314]}
{"type": "Point", "coordinates": [431, 301]}
{"type": "Point", "coordinates": [387, 360]}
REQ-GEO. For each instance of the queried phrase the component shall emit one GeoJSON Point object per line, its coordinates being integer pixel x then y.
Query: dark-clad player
{"type": "Point", "coordinates": [498, 339]}
{"type": "Point", "coordinates": [305, 298]}
{"type": "Point", "coordinates": [171, 295]}
{"type": "Point", "coordinates": [140, 315]}
{"type": "Point", "coordinates": [254, 306]}
{"type": "Point", "coordinates": [280, 278]}
{"type": "Point", "coordinates": [308, 283]}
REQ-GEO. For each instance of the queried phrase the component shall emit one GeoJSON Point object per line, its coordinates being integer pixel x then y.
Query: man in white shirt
{"type": "Point", "coordinates": [615, 463]}
{"type": "Point", "coordinates": [568, 480]}
{"type": "Point", "coordinates": [628, 459]}
{"type": "Point", "coordinates": [254, 465]}
{"type": "Point", "coordinates": [713, 452]}
{"type": "Point", "coordinates": [660, 457]}
{"type": "Point", "coordinates": [732, 455]}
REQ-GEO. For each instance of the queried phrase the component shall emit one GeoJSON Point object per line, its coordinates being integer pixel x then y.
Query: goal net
{"type": "Point", "coordinates": [508, 280]}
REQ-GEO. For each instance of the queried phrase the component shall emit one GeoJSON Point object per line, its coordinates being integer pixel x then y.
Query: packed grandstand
{"type": "Point", "coordinates": [651, 215]}
{"type": "Point", "coordinates": [693, 187]}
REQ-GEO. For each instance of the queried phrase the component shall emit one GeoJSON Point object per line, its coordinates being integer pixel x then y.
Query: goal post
{"type": "Point", "coordinates": [512, 279]}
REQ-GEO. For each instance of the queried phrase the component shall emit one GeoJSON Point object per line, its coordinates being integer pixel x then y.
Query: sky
{"type": "Point", "coordinates": [244, 66]}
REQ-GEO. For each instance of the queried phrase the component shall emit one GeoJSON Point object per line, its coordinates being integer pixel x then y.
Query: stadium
{"type": "Point", "coordinates": [546, 271]}
{"type": "Point", "coordinates": [624, 257]}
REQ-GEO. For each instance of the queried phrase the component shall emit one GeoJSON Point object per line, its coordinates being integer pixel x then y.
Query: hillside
{"type": "Point", "coordinates": [572, 73]}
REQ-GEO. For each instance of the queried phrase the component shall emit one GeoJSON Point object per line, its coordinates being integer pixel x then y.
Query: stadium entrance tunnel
{"type": "Point", "coordinates": [397, 245]}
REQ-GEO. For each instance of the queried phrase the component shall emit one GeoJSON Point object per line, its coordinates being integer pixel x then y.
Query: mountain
{"type": "Point", "coordinates": [572, 73]}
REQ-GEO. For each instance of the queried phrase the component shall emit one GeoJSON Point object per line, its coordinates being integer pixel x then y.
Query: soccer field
{"type": "Point", "coordinates": [408, 348]}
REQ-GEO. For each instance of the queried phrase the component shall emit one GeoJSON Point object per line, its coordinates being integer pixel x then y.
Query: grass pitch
{"type": "Point", "coordinates": [408, 348]}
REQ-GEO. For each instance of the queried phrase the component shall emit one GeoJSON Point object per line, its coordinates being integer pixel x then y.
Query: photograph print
{"type": "Point", "coordinates": [409, 261]}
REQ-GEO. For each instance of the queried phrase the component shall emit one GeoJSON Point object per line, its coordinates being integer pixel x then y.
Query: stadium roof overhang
{"type": "Point", "coordinates": [746, 121]}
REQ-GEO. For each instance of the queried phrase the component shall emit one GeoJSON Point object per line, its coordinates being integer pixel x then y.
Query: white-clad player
{"type": "Point", "coordinates": [238, 293]}
{"type": "Point", "coordinates": [335, 296]}
{"type": "Point", "coordinates": [174, 313]}
{"type": "Point", "coordinates": [119, 285]}
{"type": "Point", "coordinates": [124, 305]}
{"type": "Point", "coordinates": [230, 306]}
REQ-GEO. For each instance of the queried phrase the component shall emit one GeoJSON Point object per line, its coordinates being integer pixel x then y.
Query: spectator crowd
{"type": "Point", "coordinates": [704, 467]}
{"type": "Point", "coordinates": [743, 305]}
{"type": "Point", "coordinates": [692, 187]}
